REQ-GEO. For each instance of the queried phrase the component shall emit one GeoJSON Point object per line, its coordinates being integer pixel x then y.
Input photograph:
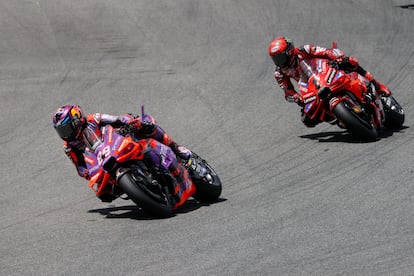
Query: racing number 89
{"type": "Point", "coordinates": [103, 154]}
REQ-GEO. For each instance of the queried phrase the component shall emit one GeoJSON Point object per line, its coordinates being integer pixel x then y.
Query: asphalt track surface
{"type": "Point", "coordinates": [295, 201]}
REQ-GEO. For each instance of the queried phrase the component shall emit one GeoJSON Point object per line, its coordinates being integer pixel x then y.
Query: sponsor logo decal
{"type": "Point", "coordinates": [308, 106]}
{"type": "Point", "coordinates": [303, 83]}
{"type": "Point", "coordinates": [331, 76]}
{"type": "Point", "coordinates": [309, 99]}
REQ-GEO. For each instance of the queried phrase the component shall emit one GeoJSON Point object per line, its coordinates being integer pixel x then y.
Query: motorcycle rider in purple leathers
{"type": "Point", "coordinates": [69, 121]}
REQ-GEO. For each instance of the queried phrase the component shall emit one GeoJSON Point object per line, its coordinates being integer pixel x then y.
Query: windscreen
{"type": "Point", "coordinates": [92, 141]}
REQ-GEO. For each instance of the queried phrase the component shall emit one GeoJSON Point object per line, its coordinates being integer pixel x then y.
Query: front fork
{"type": "Point", "coordinates": [373, 107]}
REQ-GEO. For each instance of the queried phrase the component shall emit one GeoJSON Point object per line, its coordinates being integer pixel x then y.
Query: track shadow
{"type": "Point", "coordinates": [385, 132]}
{"type": "Point", "coordinates": [192, 204]}
{"type": "Point", "coordinates": [332, 136]}
{"type": "Point", "coordinates": [345, 137]}
{"type": "Point", "coordinates": [134, 212]}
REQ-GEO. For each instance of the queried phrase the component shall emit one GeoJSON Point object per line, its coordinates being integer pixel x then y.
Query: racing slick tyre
{"type": "Point", "coordinates": [394, 113]}
{"type": "Point", "coordinates": [208, 187]}
{"type": "Point", "coordinates": [357, 127]}
{"type": "Point", "coordinates": [152, 201]}
{"type": "Point", "coordinates": [207, 191]}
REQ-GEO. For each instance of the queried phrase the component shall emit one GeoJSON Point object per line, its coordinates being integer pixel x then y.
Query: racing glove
{"type": "Point", "coordinates": [344, 63]}
{"type": "Point", "coordinates": [135, 125]}
{"type": "Point", "coordinates": [295, 98]}
{"type": "Point", "coordinates": [83, 172]}
{"type": "Point", "coordinates": [146, 127]}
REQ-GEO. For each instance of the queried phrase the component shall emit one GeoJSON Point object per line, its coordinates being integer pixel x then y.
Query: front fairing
{"type": "Point", "coordinates": [309, 82]}
{"type": "Point", "coordinates": [318, 74]}
{"type": "Point", "coordinates": [309, 85]}
{"type": "Point", "coordinates": [98, 151]}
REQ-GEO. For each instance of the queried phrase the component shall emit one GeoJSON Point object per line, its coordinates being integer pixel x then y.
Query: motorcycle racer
{"type": "Point", "coordinates": [286, 57]}
{"type": "Point", "coordinates": [70, 121]}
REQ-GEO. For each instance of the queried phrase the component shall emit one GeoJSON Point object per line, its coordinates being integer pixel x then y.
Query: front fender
{"type": "Point", "coordinates": [344, 97]}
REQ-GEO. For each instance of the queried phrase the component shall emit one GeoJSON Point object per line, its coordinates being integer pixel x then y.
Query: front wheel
{"type": "Point", "coordinates": [358, 127]}
{"type": "Point", "coordinates": [146, 193]}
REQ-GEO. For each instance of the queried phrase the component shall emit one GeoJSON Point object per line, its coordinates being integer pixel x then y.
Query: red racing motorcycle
{"type": "Point", "coordinates": [346, 99]}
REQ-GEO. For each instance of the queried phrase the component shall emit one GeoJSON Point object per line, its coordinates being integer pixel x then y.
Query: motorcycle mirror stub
{"type": "Point", "coordinates": [324, 92]}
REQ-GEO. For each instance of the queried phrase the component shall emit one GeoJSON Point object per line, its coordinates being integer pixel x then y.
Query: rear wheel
{"type": "Point", "coordinates": [208, 185]}
{"type": "Point", "coordinates": [394, 113]}
{"type": "Point", "coordinates": [147, 194]}
{"type": "Point", "coordinates": [360, 128]}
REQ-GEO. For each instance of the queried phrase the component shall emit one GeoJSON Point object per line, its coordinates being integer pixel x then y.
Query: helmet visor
{"type": "Point", "coordinates": [281, 60]}
{"type": "Point", "coordinates": [65, 131]}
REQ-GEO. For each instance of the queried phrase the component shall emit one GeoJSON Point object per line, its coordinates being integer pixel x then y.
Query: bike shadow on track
{"type": "Point", "coordinates": [345, 137]}
{"type": "Point", "coordinates": [134, 212]}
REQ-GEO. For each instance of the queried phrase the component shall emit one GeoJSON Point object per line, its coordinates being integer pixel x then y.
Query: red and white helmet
{"type": "Point", "coordinates": [282, 52]}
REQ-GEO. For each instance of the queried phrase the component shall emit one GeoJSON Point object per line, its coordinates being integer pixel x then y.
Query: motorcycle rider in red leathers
{"type": "Point", "coordinates": [69, 121]}
{"type": "Point", "coordinates": [286, 58]}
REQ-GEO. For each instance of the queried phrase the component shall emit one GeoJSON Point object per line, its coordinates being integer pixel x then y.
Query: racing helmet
{"type": "Point", "coordinates": [68, 122]}
{"type": "Point", "coordinates": [282, 52]}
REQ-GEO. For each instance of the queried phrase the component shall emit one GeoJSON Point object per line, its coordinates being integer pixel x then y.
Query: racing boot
{"type": "Point", "coordinates": [381, 89]}
{"type": "Point", "coordinates": [182, 152]}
